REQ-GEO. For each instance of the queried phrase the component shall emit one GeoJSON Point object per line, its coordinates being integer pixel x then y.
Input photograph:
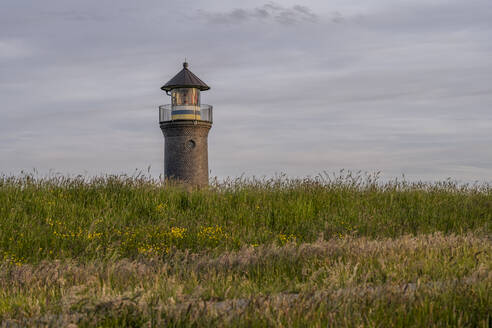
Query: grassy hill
{"type": "Point", "coordinates": [333, 250]}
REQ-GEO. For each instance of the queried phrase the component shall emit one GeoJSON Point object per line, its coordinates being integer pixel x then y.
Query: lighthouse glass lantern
{"type": "Point", "coordinates": [185, 104]}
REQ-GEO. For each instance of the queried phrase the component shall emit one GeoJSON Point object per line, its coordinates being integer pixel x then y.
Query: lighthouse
{"type": "Point", "coordinates": [185, 123]}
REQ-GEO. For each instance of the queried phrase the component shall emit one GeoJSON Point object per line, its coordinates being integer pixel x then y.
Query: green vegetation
{"type": "Point", "coordinates": [341, 250]}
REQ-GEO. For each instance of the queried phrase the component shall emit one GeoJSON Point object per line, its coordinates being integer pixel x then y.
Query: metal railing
{"type": "Point", "coordinates": [205, 114]}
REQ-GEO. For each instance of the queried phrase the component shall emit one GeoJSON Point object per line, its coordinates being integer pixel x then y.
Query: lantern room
{"type": "Point", "coordinates": [184, 90]}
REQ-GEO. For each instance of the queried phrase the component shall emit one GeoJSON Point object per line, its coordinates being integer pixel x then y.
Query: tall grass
{"type": "Point", "coordinates": [427, 280]}
{"type": "Point", "coordinates": [129, 217]}
{"type": "Point", "coordinates": [339, 250]}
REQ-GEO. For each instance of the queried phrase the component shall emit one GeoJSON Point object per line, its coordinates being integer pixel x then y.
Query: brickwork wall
{"type": "Point", "coordinates": [186, 151]}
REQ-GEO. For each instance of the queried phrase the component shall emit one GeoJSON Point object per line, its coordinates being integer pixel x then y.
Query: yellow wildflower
{"type": "Point", "coordinates": [177, 232]}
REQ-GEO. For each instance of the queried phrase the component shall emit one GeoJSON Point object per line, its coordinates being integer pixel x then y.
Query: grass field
{"type": "Point", "coordinates": [342, 250]}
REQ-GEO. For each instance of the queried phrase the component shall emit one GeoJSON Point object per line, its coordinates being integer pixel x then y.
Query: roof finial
{"type": "Point", "coordinates": [185, 64]}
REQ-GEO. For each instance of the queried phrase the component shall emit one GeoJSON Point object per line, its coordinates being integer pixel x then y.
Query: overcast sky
{"type": "Point", "coordinates": [300, 87]}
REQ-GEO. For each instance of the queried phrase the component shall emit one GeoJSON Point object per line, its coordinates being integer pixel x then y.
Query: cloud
{"type": "Point", "coordinates": [270, 11]}
{"type": "Point", "coordinates": [398, 88]}
{"type": "Point", "coordinates": [13, 49]}
{"type": "Point", "coordinates": [76, 15]}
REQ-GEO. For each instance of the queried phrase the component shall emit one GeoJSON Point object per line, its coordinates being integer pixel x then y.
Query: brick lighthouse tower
{"type": "Point", "coordinates": [185, 124]}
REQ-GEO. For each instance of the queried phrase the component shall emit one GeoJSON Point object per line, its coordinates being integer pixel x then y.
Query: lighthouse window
{"type": "Point", "coordinates": [190, 144]}
{"type": "Point", "coordinates": [185, 96]}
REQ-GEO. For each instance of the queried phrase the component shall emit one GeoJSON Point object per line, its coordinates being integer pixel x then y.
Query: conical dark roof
{"type": "Point", "coordinates": [185, 79]}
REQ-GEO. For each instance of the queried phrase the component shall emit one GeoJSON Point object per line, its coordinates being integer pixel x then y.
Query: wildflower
{"type": "Point", "coordinates": [93, 235]}
{"type": "Point", "coordinates": [177, 232]}
{"type": "Point", "coordinates": [212, 233]}
{"type": "Point", "coordinates": [284, 239]}
{"type": "Point", "coordinates": [149, 250]}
